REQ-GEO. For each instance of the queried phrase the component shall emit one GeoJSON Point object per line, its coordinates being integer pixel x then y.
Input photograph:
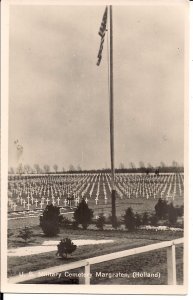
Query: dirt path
{"type": "Point", "coordinates": [49, 246]}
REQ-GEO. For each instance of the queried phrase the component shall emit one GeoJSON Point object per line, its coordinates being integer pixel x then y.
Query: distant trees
{"type": "Point", "coordinates": [20, 169]}
{"type": "Point", "coordinates": [132, 165]}
{"type": "Point", "coordinates": [162, 164]}
{"type": "Point", "coordinates": [142, 167]}
{"type": "Point", "coordinates": [174, 164]}
{"type": "Point", "coordinates": [37, 168]}
{"type": "Point", "coordinates": [55, 167]}
{"type": "Point", "coordinates": [157, 171]}
{"type": "Point", "coordinates": [132, 168]}
{"type": "Point", "coordinates": [149, 168]}
{"type": "Point", "coordinates": [11, 170]}
{"type": "Point", "coordinates": [121, 166]}
{"type": "Point", "coordinates": [71, 168]}
{"type": "Point", "coordinates": [46, 168]}
{"type": "Point", "coordinates": [83, 214]}
{"type": "Point", "coordinates": [27, 169]}
{"type": "Point", "coordinates": [50, 220]}
{"type": "Point", "coordinates": [79, 168]}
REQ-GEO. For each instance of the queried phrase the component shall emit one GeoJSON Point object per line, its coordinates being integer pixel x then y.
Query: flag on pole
{"type": "Point", "coordinates": [102, 32]}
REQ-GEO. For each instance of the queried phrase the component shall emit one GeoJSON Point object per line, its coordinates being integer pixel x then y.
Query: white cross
{"type": "Point", "coordinates": [21, 200]}
{"type": "Point", "coordinates": [36, 201]}
{"type": "Point", "coordinates": [43, 199]}
{"type": "Point", "coordinates": [86, 200]}
{"type": "Point", "coordinates": [24, 202]}
{"type": "Point", "coordinates": [53, 202]}
{"type": "Point", "coordinates": [28, 197]}
{"type": "Point", "coordinates": [14, 207]}
{"type": "Point", "coordinates": [76, 201]}
{"type": "Point", "coordinates": [28, 205]}
{"type": "Point", "coordinates": [58, 200]}
{"type": "Point", "coordinates": [41, 204]}
{"type": "Point", "coordinates": [47, 201]}
{"type": "Point", "coordinates": [65, 202]}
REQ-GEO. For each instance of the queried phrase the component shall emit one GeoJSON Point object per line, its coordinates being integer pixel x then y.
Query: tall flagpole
{"type": "Point", "coordinates": [113, 192]}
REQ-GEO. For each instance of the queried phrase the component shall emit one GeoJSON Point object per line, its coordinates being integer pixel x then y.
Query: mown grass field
{"type": "Point", "coordinates": [149, 262]}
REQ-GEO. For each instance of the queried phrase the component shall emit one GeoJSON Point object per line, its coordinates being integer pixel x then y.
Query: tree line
{"type": "Point", "coordinates": [132, 168]}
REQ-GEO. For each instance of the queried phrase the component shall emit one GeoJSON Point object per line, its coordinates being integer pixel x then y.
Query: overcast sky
{"type": "Point", "coordinates": [58, 104]}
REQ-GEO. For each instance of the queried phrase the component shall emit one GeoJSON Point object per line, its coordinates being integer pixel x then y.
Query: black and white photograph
{"type": "Point", "coordinates": [94, 134]}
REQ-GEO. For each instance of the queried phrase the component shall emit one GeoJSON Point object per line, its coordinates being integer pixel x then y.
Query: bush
{"type": "Point", "coordinates": [50, 220]}
{"type": "Point", "coordinates": [145, 218]}
{"type": "Point", "coordinates": [65, 247]}
{"type": "Point", "coordinates": [9, 233]}
{"type": "Point", "coordinates": [65, 222]}
{"type": "Point", "coordinates": [153, 220]}
{"type": "Point", "coordinates": [100, 222]}
{"type": "Point", "coordinates": [180, 210]}
{"type": "Point", "coordinates": [25, 234]}
{"type": "Point", "coordinates": [138, 220]}
{"type": "Point", "coordinates": [117, 221]}
{"type": "Point", "coordinates": [172, 214]}
{"type": "Point", "coordinates": [129, 219]}
{"type": "Point", "coordinates": [83, 214]}
{"type": "Point", "coordinates": [74, 225]}
{"type": "Point", "coordinates": [161, 209]}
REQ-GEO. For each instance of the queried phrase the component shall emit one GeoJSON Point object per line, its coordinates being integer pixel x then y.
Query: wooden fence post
{"type": "Point", "coordinates": [87, 273]}
{"type": "Point", "coordinates": [171, 264]}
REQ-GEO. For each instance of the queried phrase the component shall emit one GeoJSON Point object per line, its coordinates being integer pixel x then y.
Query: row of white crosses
{"type": "Point", "coordinates": [79, 186]}
{"type": "Point", "coordinates": [36, 201]}
{"type": "Point", "coordinates": [141, 187]}
{"type": "Point", "coordinates": [12, 204]}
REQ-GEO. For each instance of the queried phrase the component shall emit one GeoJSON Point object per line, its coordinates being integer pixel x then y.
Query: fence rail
{"type": "Point", "coordinates": [171, 262]}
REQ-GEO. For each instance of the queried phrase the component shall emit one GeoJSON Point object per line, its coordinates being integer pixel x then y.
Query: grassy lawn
{"type": "Point", "coordinates": [39, 237]}
{"type": "Point", "coordinates": [148, 262]}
